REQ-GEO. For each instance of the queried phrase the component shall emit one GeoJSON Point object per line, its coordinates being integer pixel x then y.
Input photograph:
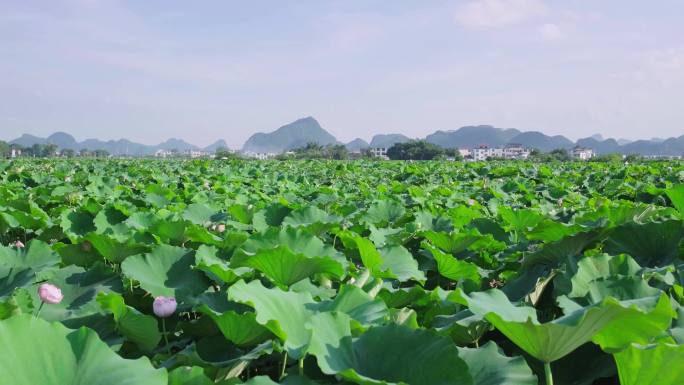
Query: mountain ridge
{"type": "Point", "coordinates": [305, 130]}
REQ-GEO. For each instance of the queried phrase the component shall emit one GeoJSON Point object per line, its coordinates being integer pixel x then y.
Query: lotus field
{"type": "Point", "coordinates": [202, 272]}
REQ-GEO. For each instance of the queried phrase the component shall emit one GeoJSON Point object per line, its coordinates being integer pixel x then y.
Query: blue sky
{"type": "Point", "coordinates": [207, 70]}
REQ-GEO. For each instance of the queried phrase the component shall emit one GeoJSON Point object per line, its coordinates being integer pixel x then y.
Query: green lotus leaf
{"type": "Point", "coordinates": [384, 211]}
{"type": "Point", "coordinates": [80, 288]}
{"type": "Point", "coordinates": [650, 244]}
{"type": "Point", "coordinates": [114, 250]}
{"type": "Point", "coordinates": [77, 223]}
{"type": "Point", "coordinates": [139, 328]}
{"type": "Point", "coordinates": [239, 327]}
{"type": "Point", "coordinates": [167, 271]}
{"type": "Point", "coordinates": [199, 213]}
{"type": "Point", "coordinates": [186, 375]}
{"type": "Point", "coordinates": [284, 313]}
{"type": "Point", "coordinates": [400, 348]}
{"type": "Point", "coordinates": [358, 304]}
{"type": "Point", "coordinates": [453, 268]}
{"type": "Point", "coordinates": [208, 260]}
{"type": "Point", "coordinates": [488, 366]}
{"type": "Point", "coordinates": [74, 357]}
{"type": "Point", "coordinates": [659, 364]}
{"type": "Point", "coordinates": [676, 195]}
{"type": "Point", "coordinates": [285, 267]}
{"type": "Point", "coordinates": [553, 340]}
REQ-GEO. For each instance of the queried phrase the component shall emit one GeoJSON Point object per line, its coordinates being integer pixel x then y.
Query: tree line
{"type": "Point", "coordinates": [48, 151]}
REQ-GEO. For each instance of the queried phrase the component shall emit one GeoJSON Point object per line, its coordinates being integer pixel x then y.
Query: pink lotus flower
{"type": "Point", "coordinates": [19, 244]}
{"type": "Point", "coordinates": [221, 228]}
{"type": "Point", "coordinates": [164, 306]}
{"type": "Point", "coordinates": [49, 293]}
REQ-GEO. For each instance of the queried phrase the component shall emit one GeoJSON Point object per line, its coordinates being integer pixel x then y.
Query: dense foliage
{"type": "Point", "coordinates": [324, 272]}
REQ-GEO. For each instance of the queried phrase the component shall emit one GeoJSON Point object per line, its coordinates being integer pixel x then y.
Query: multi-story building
{"type": "Point", "coordinates": [484, 152]}
{"type": "Point", "coordinates": [516, 151]}
{"type": "Point", "coordinates": [582, 153]}
{"type": "Point", "coordinates": [379, 152]}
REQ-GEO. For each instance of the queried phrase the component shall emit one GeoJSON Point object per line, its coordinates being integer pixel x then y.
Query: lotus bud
{"type": "Point", "coordinates": [19, 244]}
{"type": "Point", "coordinates": [206, 184]}
{"type": "Point", "coordinates": [49, 293]}
{"type": "Point", "coordinates": [164, 306]}
{"type": "Point", "coordinates": [221, 228]}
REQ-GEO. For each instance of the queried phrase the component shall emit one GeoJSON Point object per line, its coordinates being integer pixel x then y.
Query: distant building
{"type": "Point", "coordinates": [15, 152]}
{"type": "Point", "coordinates": [379, 152]}
{"type": "Point", "coordinates": [165, 153]}
{"type": "Point", "coordinates": [484, 152]}
{"type": "Point", "coordinates": [259, 155]}
{"type": "Point", "coordinates": [464, 152]}
{"type": "Point", "coordinates": [516, 151]}
{"type": "Point", "coordinates": [582, 153]}
{"type": "Point", "coordinates": [195, 153]}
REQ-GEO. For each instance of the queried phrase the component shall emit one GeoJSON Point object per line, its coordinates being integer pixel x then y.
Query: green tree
{"type": "Point", "coordinates": [224, 153]}
{"type": "Point", "coordinates": [69, 153]}
{"type": "Point", "coordinates": [4, 148]}
{"type": "Point", "coordinates": [99, 153]}
{"type": "Point", "coordinates": [414, 150]}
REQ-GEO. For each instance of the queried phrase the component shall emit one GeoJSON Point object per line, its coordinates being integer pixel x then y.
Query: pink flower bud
{"type": "Point", "coordinates": [164, 306]}
{"type": "Point", "coordinates": [221, 228]}
{"type": "Point", "coordinates": [49, 293]}
{"type": "Point", "coordinates": [19, 244]}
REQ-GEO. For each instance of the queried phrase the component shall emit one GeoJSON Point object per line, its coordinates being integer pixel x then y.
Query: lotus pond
{"type": "Point", "coordinates": [311, 272]}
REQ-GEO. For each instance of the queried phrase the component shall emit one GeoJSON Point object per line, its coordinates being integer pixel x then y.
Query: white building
{"type": "Point", "coordinates": [582, 153]}
{"type": "Point", "coordinates": [259, 155]}
{"type": "Point", "coordinates": [516, 151]}
{"type": "Point", "coordinates": [15, 152]}
{"type": "Point", "coordinates": [484, 152]}
{"type": "Point", "coordinates": [379, 152]}
{"type": "Point", "coordinates": [464, 152]}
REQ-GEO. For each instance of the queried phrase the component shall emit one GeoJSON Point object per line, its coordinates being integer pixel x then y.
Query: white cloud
{"type": "Point", "coordinates": [484, 14]}
{"type": "Point", "coordinates": [550, 31]}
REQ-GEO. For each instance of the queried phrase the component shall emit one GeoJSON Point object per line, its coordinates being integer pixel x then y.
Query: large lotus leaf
{"type": "Point", "coordinates": [166, 271]}
{"type": "Point", "coordinates": [208, 260]}
{"type": "Point", "coordinates": [112, 222]}
{"type": "Point", "coordinates": [389, 262]}
{"type": "Point", "coordinates": [285, 267]}
{"type": "Point", "coordinates": [455, 242]}
{"type": "Point", "coordinates": [241, 328]}
{"type": "Point", "coordinates": [19, 266]}
{"type": "Point", "coordinates": [651, 244]}
{"type": "Point", "coordinates": [384, 211]}
{"type": "Point", "coordinates": [80, 288]}
{"type": "Point", "coordinates": [36, 255]}
{"type": "Point", "coordinates": [139, 328]}
{"type": "Point", "coordinates": [115, 250]}
{"type": "Point", "coordinates": [390, 354]}
{"type": "Point", "coordinates": [581, 274]}
{"type": "Point", "coordinates": [358, 304]}
{"type": "Point", "coordinates": [50, 354]}
{"type": "Point", "coordinates": [464, 327]}
{"type": "Point", "coordinates": [199, 213]}
{"type": "Point", "coordinates": [659, 364]}
{"type": "Point", "coordinates": [312, 217]}
{"type": "Point", "coordinates": [676, 195]}
{"type": "Point", "coordinates": [553, 340]}
{"type": "Point", "coordinates": [186, 375]}
{"type": "Point", "coordinates": [284, 313]}
{"type": "Point", "coordinates": [296, 239]}
{"type": "Point", "coordinates": [453, 268]}
{"type": "Point", "coordinates": [488, 366]}
{"type": "Point", "coordinates": [77, 223]}
{"type": "Point", "coordinates": [551, 254]}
